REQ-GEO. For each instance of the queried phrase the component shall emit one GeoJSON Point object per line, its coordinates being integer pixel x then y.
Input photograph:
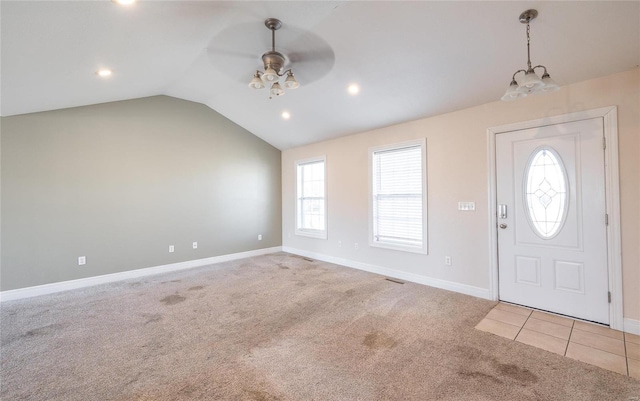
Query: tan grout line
{"type": "Point", "coordinates": [522, 327]}
{"type": "Point", "coordinates": [602, 335]}
{"type": "Point", "coordinates": [512, 313]}
{"type": "Point", "coordinates": [569, 339]}
{"type": "Point", "coordinates": [601, 350]}
{"type": "Point", "coordinates": [550, 335]}
{"type": "Point", "coordinates": [548, 322]}
{"type": "Point", "coordinates": [500, 321]}
{"type": "Point", "coordinates": [626, 356]}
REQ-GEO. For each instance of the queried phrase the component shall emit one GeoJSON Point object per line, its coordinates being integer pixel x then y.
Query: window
{"type": "Point", "coordinates": [398, 197]}
{"type": "Point", "coordinates": [311, 202]}
{"type": "Point", "coordinates": [546, 192]}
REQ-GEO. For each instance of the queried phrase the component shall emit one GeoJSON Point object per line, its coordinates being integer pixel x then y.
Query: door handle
{"type": "Point", "coordinates": [502, 211]}
{"type": "Point", "coordinates": [503, 226]}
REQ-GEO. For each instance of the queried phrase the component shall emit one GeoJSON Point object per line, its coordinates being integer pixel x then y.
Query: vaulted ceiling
{"type": "Point", "coordinates": [410, 59]}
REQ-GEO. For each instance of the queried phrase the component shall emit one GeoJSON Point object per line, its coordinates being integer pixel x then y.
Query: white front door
{"type": "Point", "coordinates": [552, 244]}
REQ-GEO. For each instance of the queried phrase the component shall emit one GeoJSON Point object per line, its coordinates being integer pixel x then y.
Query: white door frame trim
{"type": "Point", "coordinates": [612, 188]}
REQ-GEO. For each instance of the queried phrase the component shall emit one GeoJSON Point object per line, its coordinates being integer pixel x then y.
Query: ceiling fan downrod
{"type": "Point", "coordinates": [273, 62]}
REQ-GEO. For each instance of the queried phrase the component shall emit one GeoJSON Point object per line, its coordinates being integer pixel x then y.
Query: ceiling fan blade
{"type": "Point", "coordinates": [230, 53]}
{"type": "Point", "coordinates": [311, 67]}
{"type": "Point", "coordinates": [236, 51]}
{"type": "Point", "coordinates": [310, 56]}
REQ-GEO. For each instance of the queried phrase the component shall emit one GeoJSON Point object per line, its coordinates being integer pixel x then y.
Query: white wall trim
{"type": "Point", "coordinates": [385, 271]}
{"type": "Point", "coordinates": [44, 289]}
{"type": "Point", "coordinates": [612, 188]}
{"type": "Point", "coordinates": [632, 326]}
{"type": "Point", "coordinates": [424, 248]}
{"type": "Point", "coordinates": [320, 234]}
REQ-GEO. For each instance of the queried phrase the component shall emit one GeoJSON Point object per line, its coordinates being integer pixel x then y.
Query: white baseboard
{"type": "Point", "coordinates": [632, 326]}
{"type": "Point", "coordinates": [44, 289]}
{"type": "Point", "coordinates": [384, 271]}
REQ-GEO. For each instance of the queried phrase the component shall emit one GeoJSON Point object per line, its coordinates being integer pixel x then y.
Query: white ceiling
{"type": "Point", "coordinates": [411, 59]}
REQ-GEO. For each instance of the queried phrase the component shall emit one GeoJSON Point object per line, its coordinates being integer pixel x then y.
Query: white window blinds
{"type": "Point", "coordinates": [398, 197]}
{"type": "Point", "coordinates": [311, 202]}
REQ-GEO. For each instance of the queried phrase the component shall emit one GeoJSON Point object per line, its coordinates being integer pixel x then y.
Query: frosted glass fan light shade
{"type": "Point", "coordinates": [549, 84]}
{"type": "Point", "coordinates": [256, 82]}
{"type": "Point", "coordinates": [276, 90]}
{"type": "Point", "coordinates": [512, 92]}
{"type": "Point", "coordinates": [270, 75]}
{"type": "Point", "coordinates": [290, 82]}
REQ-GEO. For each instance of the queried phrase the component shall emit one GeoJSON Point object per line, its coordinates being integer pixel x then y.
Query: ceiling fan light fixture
{"type": "Point", "coordinates": [290, 82]}
{"type": "Point", "coordinates": [276, 90]}
{"type": "Point", "coordinates": [531, 83]}
{"type": "Point", "coordinates": [270, 75]}
{"type": "Point", "coordinates": [256, 82]}
{"type": "Point", "coordinates": [274, 66]}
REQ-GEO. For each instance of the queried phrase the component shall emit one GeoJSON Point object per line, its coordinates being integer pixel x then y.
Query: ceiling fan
{"type": "Point", "coordinates": [274, 62]}
{"type": "Point", "coordinates": [235, 50]}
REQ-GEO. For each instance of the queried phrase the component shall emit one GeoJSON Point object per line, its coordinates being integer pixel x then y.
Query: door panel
{"type": "Point", "coordinates": [552, 246]}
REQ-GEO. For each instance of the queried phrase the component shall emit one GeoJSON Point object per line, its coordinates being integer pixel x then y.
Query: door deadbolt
{"type": "Point", "coordinates": [503, 226]}
{"type": "Point", "coordinates": [502, 211]}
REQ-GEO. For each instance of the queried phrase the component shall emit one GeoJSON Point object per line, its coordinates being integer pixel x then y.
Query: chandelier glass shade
{"type": "Point", "coordinates": [273, 62]}
{"type": "Point", "coordinates": [530, 83]}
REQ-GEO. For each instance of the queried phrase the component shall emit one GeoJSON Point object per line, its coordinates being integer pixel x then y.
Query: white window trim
{"type": "Point", "coordinates": [320, 234]}
{"type": "Point", "coordinates": [424, 249]}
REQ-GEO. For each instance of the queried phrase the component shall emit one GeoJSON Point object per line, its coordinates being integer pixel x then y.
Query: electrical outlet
{"type": "Point", "coordinates": [82, 260]}
{"type": "Point", "coordinates": [259, 237]}
{"type": "Point", "coordinates": [355, 246]}
{"type": "Point", "coordinates": [171, 248]}
{"type": "Point", "coordinates": [447, 260]}
{"type": "Point", "coordinates": [339, 244]}
{"type": "Point", "coordinates": [195, 245]}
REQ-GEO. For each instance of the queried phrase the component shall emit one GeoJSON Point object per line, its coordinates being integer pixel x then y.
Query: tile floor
{"type": "Point", "coordinates": [587, 342]}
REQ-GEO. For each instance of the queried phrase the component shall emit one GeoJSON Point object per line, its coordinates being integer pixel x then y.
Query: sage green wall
{"type": "Point", "coordinates": [120, 182]}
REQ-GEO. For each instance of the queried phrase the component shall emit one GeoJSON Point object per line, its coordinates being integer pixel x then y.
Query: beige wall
{"type": "Point", "coordinates": [120, 182]}
{"type": "Point", "coordinates": [457, 171]}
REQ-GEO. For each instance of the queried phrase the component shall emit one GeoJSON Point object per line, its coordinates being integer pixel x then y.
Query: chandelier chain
{"type": "Point", "coordinates": [528, 47]}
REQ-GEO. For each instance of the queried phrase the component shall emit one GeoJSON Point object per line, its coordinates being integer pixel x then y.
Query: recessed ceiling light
{"type": "Point", "coordinates": [353, 89]}
{"type": "Point", "coordinates": [124, 2]}
{"type": "Point", "coordinates": [286, 115]}
{"type": "Point", "coordinates": [105, 72]}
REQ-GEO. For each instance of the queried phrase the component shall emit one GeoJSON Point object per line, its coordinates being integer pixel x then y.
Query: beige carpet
{"type": "Point", "coordinates": [277, 327]}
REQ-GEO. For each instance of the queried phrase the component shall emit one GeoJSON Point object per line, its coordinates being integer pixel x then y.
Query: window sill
{"type": "Point", "coordinates": [401, 248]}
{"type": "Point", "coordinates": [312, 234]}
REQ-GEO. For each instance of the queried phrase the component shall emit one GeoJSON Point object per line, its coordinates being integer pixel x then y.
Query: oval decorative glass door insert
{"type": "Point", "coordinates": [546, 192]}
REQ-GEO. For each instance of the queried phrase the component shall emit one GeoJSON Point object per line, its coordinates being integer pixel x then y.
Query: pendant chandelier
{"type": "Point", "coordinates": [530, 82]}
{"type": "Point", "coordinates": [273, 66]}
